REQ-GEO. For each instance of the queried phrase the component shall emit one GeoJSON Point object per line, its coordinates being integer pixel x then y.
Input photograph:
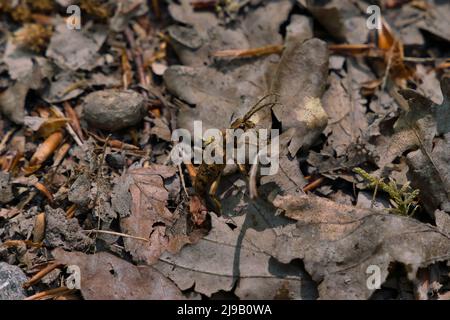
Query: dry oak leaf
{"type": "Point", "coordinates": [210, 266]}
{"type": "Point", "coordinates": [300, 81]}
{"type": "Point", "coordinates": [417, 126]}
{"type": "Point", "coordinates": [239, 258]}
{"type": "Point", "coordinates": [107, 277]}
{"type": "Point", "coordinates": [149, 216]}
{"type": "Point", "coordinates": [430, 172]}
{"type": "Point", "coordinates": [217, 96]}
{"type": "Point", "coordinates": [338, 243]}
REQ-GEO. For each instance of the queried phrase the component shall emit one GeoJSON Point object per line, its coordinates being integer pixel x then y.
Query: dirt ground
{"type": "Point", "coordinates": [347, 195]}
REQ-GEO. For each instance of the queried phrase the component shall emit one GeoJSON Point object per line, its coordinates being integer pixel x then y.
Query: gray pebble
{"type": "Point", "coordinates": [11, 281]}
{"type": "Point", "coordinates": [114, 109]}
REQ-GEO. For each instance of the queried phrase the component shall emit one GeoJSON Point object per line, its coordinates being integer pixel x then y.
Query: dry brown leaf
{"type": "Point", "coordinates": [386, 39]}
{"type": "Point", "coordinates": [149, 216]}
{"type": "Point", "coordinates": [45, 126]}
{"type": "Point", "coordinates": [424, 127]}
{"type": "Point", "coordinates": [238, 253]}
{"type": "Point", "coordinates": [9, 213]}
{"type": "Point", "coordinates": [198, 210]}
{"type": "Point", "coordinates": [338, 243]}
{"type": "Point", "coordinates": [300, 81]}
{"type": "Point", "coordinates": [203, 33]}
{"type": "Point", "coordinates": [416, 126]}
{"type": "Point", "coordinates": [394, 54]}
{"type": "Point", "coordinates": [347, 115]}
{"type": "Point", "coordinates": [106, 277]}
{"type": "Point", "coordinates": [429, 172]}
{"type": "Point", "coordinates": [246, 53]}
{"type": "Point", "coordinates": [60, 154]}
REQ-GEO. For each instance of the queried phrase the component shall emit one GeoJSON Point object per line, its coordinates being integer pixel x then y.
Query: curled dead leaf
{"type": "Point", "coordinates": [106, 277]}
{"type": "Point", "coordinates": [44, 151]}
{"type": "Point", "coordinates": [150, 218]}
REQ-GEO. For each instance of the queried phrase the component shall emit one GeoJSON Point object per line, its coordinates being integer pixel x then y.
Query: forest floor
{"type": "Point", "coordinates": [353, 202]}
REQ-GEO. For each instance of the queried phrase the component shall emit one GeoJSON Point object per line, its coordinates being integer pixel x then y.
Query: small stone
{"type": "Point", "coordinates": [11, 281]}
{"type": "Point", "coordinates": [114, 109]}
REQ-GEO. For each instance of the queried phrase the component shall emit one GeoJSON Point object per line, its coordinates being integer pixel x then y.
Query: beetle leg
{"type": "Point", "coordinates": [242, 169]}
{"type": "Point", "coordinates": [212, 199]}
{"type": "Point", "coordinates": [212, 196]}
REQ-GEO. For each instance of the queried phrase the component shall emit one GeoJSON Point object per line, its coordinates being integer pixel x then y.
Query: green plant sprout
{"type": "Point", "coordinates": [403, 200]}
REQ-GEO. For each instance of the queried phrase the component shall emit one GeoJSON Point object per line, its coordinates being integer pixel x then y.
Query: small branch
{"type": "Point", "coordinates": [117, 234]}
{"type": "Point", "coordinates": [248, 53]}
{"type": "Point", "coordinates": [49, 293]}
{"type": "Point", "coordinates": [137, 57]}
{"type": "Point", "coordinates": [419, 60]}
{"type": "Point", "coordinates": [74, 121]}
{"type": "Point", "coordinates": [313, 185]}
{"type": "Point", "coordinates": [182, 180]}
{"type": "Point", "coordinates": [68, 126]}
{"type": "Point", "coordinates": [38, 276]}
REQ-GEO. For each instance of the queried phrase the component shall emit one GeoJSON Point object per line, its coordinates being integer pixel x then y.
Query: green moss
{"type": "Point", "coordinates": [403, 200]}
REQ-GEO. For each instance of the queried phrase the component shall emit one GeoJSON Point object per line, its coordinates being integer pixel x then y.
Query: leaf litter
{"type": "Point", "coordinates": [85, 139]}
